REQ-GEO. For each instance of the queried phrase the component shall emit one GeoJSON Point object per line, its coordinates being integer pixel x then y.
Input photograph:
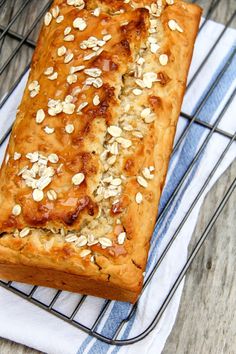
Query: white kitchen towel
{"type": "Point", "coordinates": [25, 323]}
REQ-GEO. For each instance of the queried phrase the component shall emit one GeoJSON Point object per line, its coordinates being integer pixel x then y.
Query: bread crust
{"type": "Point", "coordinates": [44, 257]}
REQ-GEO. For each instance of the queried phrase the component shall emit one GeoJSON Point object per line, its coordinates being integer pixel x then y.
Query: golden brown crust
{"type": "Point", "coordinates": [118, 267]}
{"type": "Point", "coordinates": [66, 281]}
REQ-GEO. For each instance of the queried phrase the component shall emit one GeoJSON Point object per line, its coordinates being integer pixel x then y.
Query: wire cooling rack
{"type": "Point", "coordinates": [21, 38]}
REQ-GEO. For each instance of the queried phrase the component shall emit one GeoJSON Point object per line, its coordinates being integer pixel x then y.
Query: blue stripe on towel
{"type": "Point", "coordinates": [188, 151]}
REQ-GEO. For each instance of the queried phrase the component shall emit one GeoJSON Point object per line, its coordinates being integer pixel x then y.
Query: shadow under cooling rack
{"type": "Point", "coordinates": [24, 39]}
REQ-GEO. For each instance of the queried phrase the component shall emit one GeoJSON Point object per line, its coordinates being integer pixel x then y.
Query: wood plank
{"type": "Point", "coordinates": [206, 322]}
{"type": "Point", "coordinates": [222, 12]}
{"type": "Point", "coordinates": [9, 347]}
{"type": "Point", "coordinates": [8, 45]}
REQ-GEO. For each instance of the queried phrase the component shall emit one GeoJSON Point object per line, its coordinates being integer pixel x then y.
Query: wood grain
{"type": "Point", "coordinates": [206, 321]}
{"type": "Point", "coordinates": [7, 46]}
{"type": "Point", "coordinates": [222, 12]}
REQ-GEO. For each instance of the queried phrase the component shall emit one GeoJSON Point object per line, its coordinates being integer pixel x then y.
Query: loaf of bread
{"type": "Point", "coordinates": [88, 155]}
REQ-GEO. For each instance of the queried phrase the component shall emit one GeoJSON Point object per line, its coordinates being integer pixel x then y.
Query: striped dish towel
{"type": "Point", "coordinates": [25, 323]}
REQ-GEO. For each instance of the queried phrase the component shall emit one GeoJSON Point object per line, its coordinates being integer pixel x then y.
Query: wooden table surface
{"type": "Point", "coordinates": [206, 321]}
